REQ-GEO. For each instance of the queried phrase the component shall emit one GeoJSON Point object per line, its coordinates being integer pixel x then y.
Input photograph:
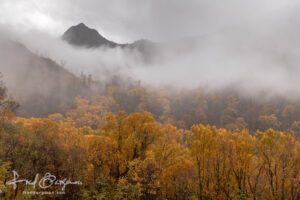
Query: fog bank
{"type": "Point", "coordinates": [252, 46]}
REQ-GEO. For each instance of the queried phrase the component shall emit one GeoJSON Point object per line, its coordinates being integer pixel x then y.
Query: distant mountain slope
{"type": "Point", "coordinates": [38, 84]}
{"type": "Point", "coordinates": [81, 35]}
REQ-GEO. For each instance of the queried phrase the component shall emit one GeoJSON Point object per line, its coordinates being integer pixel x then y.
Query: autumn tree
{"type": "Point", "coordinates": [268, 121]}
{"type": "Point", "coordinates": [201, 141]}
{"type": "Point", "coordinates": [90, 113]}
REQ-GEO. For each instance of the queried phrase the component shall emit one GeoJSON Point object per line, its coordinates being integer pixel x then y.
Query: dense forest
{"type": "Point", "coordinates": [133, 142]}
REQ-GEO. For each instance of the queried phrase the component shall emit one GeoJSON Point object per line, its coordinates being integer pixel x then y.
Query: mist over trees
{"type": "Point", "coordinates": [135, 157]}
{"type": "Point", "coordinates": [206, 106]}
{"type": "Point", "coordinates": [126, 140]}
{"type": "Point", "coordinates": [186, 144]}
{"type": "Point", "coordinates": [48, 88]}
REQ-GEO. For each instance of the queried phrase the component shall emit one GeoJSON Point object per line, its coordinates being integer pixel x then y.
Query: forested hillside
{"type": "Point", "coordinates": [47, 88]}
{"type": "Point", "coordinates": [162, 149]}
{"type": "Point", "coordinates": [135, 157]}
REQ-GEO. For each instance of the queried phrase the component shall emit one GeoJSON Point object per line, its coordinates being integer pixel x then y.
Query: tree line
{"type": "Point", "coordinates": [151, 151]}
{"type": "Point", "coordinates": [135, 157]}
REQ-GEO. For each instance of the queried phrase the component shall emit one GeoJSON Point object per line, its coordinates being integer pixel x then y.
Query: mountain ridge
{"type": "Point", "coordinates": [83, 36]}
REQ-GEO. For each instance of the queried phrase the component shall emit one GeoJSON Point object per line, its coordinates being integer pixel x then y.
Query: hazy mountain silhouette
{"type": "Point", "coordinates": [81, 35]}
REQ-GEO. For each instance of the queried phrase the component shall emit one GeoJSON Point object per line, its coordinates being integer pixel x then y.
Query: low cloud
{"type": "Point", "coordinates": [251, 46]}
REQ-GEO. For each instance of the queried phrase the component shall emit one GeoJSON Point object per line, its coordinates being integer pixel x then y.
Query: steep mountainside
{"type": "Point", "coordinates": [38, 84]}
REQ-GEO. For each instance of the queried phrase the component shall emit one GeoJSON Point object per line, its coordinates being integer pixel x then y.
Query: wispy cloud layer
{"type": "Point", "coordinates": [252, 45]}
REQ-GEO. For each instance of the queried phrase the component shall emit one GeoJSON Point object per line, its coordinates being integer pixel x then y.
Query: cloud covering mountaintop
{"type": "Point", "coordinates": [250, 45]}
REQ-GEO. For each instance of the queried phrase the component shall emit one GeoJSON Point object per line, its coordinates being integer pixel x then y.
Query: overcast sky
{"type": "Point", "coordinates": [252, 44]}
{"type": "Point", "coordinates": [128, 20]}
